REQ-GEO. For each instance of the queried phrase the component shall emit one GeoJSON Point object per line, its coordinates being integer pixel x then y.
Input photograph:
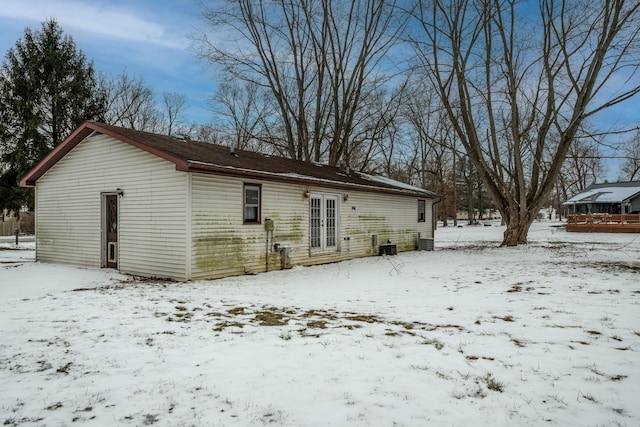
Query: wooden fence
{"type": "Point", "coordinates": [604, 223]}
{"type": "Point", "coordinates": [8, 224]}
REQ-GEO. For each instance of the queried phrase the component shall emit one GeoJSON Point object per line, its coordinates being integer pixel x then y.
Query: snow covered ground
{"type": "Point", "coordinates": [470, 334]}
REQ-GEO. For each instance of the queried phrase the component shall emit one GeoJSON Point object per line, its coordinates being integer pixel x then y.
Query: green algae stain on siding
{"type": "Point", "coordinates": [293, 237]}
{"type": "Point", "coordinates": [290, 230]}
{"type": "Point", "coordinates": [219, 252]}
{"type": "Point", "coordinates": [369, 218]}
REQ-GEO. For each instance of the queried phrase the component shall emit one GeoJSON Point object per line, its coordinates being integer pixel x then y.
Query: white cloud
{"type": "Point", "coordinates": [102, 20]}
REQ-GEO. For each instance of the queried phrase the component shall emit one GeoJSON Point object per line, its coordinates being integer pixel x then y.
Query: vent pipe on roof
{"type": "Point", "coordinates": [232, 149]}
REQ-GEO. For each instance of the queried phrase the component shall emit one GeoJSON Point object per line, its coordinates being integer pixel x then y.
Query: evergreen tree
{"type": "Point", "coordinates": [47, 88]}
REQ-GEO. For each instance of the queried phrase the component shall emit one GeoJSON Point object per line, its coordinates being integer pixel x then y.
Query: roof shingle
{"type": "Point", "coordinates": [196, 156]}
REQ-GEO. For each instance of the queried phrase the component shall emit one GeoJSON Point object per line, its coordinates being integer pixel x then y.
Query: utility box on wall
{"type": "Point", "coordinates": [268, 224]}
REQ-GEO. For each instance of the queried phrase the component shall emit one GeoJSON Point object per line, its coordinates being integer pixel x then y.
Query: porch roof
{"type": "Point", "coordinates": [613, 194]}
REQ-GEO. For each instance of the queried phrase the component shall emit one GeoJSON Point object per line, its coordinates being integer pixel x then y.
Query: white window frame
{"type": "Point", "coordinates": [324, 223]}
{"type": "Point", "coordinates": [245, 205]}
{"type": "Point", "coordinates": [422, 211]}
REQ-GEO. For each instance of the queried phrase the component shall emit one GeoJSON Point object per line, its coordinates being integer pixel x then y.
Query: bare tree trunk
{"type": "Point", "coordinates": [519, 117]}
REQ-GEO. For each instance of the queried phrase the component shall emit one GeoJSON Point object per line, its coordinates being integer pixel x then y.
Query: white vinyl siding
{"type": "Point", "coordinates": [152, 212]}
{"type": "Point", "coordinates": [390, 217]}
{"type": "Point", "coordinates": [222, 245]}
{"type": "Point", "coordinates": [191, 226]}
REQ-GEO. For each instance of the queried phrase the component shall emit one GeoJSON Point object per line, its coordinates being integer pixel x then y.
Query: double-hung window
{"type": "Point", "coordinates": [252, 198]}
{"type": "Point", "coordinates": [422, 211]}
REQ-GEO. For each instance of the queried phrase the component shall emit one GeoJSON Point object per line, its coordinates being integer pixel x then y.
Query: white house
{"type": "Point", "coordinates": [156, 206]}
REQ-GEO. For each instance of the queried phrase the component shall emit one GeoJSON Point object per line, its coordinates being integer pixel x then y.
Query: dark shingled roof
{"type": "Point", "coordinates": [196, 156]}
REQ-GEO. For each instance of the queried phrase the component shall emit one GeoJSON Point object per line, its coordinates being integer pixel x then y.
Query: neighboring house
{"type": "Point", "coordinates": [608, 197]}
{"type": "Point", "coordinates": [156, 206]}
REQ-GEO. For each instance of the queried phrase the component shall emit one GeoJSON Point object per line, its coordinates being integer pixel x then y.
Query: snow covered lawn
{"type": "Point", "coordinates": [470, 334]}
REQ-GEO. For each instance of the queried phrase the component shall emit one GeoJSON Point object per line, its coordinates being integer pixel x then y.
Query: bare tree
{"type": "Point", "coordinates": [631, 165]}
{"type": "Point", "coordinates": [131, 103]}
{"type": "Point", "coordinates": [205, 132]}
{"type": "Point", "coordinates": [582, 167]}
{"type": "Point", "coordinates": [247, 114]}
{"type": "Point", "coordinates": [173, 104]}
{"type": "Point", "coordinates": [377, 131]}
{"type": "Point", "coordinates": [318, 59]}
{"type": "Point", "coordinates": [517, 85]}
{"type": "Point", "coordinates": [434, 145]}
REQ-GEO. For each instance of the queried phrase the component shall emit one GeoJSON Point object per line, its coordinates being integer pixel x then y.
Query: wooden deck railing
{"type": "Point", "coordinates": [604, 223]}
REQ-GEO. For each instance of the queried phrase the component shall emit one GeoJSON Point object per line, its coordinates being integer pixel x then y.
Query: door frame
{"type": "Point", "coordinates": [104, 247]}
{"type": "Point", "coordinates": [324, 248]}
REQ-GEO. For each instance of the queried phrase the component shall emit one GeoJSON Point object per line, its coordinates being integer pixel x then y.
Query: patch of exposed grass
{"type": "Point", "coordinates": [564, 326]}
{"type": "Point", "coordinates": [64, 369]}
{"type": "Point", "coordinates": [214, 314]}
{"type": "Point", "coordinates": [620, 266]}
{"type": "Point", "coordinates": [270, 318]}
{"type": "Point", "coordinates": [589, 397]}
{"type": "Point", "coordinates": [439, 345]}
{"type": "Point", "coordinates": [317, 324]}
{"type": "Point", "coordinates": [237, 311]}
{"type": "Point", "coordinates": [54, 406]}
{"type": "Point", "coordinates": [492, 383]}
{"type": "Point", "coordinates": [226, 324]}
{"type": "Point", "coordinates": [149, 419]}
{"type": "Point", "coordinates": [43, 365]}
{"type": "Point", "coordinates": [419, 367]}
{"type": "Point", "coordinates": [368, 318]}
{"type": "Point", "coordinates": [319, 313]}
{"type": "Point", "coordinates": [518, 342]}
{"type": "Point", "coordinates": [582, 342]}
{"type": "Point", "coordinates": [285, 336]}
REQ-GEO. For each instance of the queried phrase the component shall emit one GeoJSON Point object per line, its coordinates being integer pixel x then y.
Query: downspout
{"type": "Point", "coordinates": [266, 253]}
{"type": "Point", "coordinates": [189, 227]}
{"type": "Point", "coordinates": [434, 220]}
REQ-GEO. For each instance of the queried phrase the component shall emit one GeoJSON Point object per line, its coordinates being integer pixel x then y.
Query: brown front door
{"type": "Point", "coordinates": [112, 230]}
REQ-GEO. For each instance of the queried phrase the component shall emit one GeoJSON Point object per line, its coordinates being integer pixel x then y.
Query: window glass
{"type": "Point", "coordinates": [421, 211]}
{"type": "Point", "coordinates": [331, 222]}
{"type": "Point", "coordinates": [251, 203]}
{"type": "Point", "coordinates": [316, 222]}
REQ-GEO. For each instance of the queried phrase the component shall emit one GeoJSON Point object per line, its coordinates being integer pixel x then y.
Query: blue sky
{"type": "Point", "coordinates": [150, 39]}
{"type": "Point", "coordinates": [146, 38]}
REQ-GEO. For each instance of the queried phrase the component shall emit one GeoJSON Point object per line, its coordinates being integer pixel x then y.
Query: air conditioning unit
{"type": "Point", "coordinates": [285, 257]}
{"type": "Point", "coordinates": [425, 244]}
